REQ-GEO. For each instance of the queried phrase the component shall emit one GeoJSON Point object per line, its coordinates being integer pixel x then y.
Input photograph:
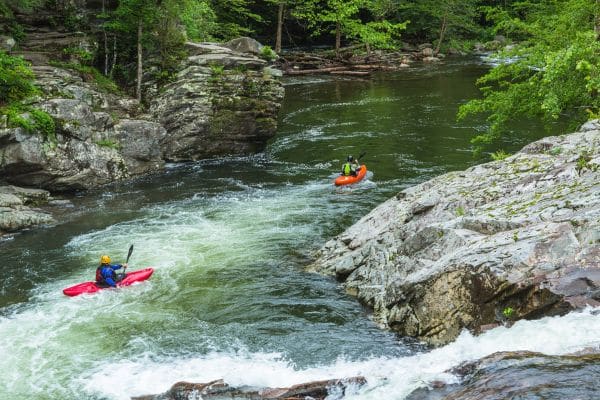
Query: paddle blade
{"type": "Point", "coordinates": [129, 254]}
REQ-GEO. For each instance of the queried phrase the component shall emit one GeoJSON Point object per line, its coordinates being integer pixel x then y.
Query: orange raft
{"type": "Point", "coordinates": [347, 180]}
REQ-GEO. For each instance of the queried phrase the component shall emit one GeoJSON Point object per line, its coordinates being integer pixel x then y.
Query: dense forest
{"type": "Point", "coordinates": [554, 46]}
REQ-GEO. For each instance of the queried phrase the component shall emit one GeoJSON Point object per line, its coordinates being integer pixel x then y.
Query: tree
{"type": "Point", "coordinates": [438, 20]}
{"type": "Point", "coordinates": [235, 18]}
{"type": "Point", "coordinates": [341, 17]}
{"type": "Point", "coordinates": [556, 69]}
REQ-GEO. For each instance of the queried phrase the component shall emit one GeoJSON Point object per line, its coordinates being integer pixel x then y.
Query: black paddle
{"type": "Point", "coordinates": [126, 261]}
{"type": "Point", "coordinates": [361, 155]}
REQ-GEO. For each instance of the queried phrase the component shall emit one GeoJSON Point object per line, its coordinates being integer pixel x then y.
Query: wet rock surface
{"type": "Point", "coordinates": [506, 240]}
{"type": "Point", "coordinates": [523, 375]}
{"type": "Point", "coordinates": [219, 390]}
{"type": "Point", "coordinates": [19, 209]}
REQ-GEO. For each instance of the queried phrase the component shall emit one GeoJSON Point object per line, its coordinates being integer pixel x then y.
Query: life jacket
{"type": "Point", "coordinates": [99, 277]}
{"type": "Point", "coordinates": [347, 169]}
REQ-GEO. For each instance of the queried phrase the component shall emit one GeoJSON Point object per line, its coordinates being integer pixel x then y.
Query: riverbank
{"type": "Point", "coordinates": [503, 241]}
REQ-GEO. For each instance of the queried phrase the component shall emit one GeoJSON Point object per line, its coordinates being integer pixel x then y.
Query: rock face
{"type": "Point", "coordinates": [221, 102]}
{"type": "Point", "coordinates": [17, 209]}
{"type": "Point", "coordinates": [511, 239]}
{"type": "Point", "coordinates": [218, 390]}
{"type": "Point", "coordinates": [90, 148]}
{"type": "Point", "coordinates": [521, 375]}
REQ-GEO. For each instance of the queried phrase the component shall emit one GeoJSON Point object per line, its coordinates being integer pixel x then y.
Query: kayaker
{"type": "Point", "coordinates": [105, 273]}
{"type": "Point", "coordinates": [351, 167]}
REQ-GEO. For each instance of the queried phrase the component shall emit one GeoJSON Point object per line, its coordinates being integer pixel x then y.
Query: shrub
{"type": "Point", "coordinates": [16, 79]}
{"type": "Point", "coordinates": [267, 53]}
{"type": "Point", "coordinates": [499, 155]}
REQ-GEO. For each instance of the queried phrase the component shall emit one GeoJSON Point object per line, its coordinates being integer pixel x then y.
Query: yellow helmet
{"type": "Point", "coordinates": [105, 260]}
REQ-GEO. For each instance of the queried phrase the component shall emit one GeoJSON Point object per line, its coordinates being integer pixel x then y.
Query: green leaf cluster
{"type": "Point", "coordinates": [551, 74]}
{"type": "Point", "coordinates": [16, 80]}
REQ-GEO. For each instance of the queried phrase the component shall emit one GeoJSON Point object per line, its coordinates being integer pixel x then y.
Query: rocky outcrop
{"type": "Point", "coordinates": [221, 102]}
{"type": "Point", "coordinates": [217, 390]}
{"type": "Point", "coordinates": [511, 239]}
{"type": "Point", "coordinates": [89, 149]}
{"type": "Point", "coordinates": [521, 375]}
{"type": "Point", "coordinates": [18, 209]}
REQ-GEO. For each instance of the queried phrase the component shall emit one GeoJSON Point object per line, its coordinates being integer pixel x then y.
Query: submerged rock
{"type": "Point", "coordinates": [511, 239]}
{"type": "Point", "coordinates": [218, 390]}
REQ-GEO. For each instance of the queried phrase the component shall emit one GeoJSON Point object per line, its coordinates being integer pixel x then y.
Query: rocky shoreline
{"type": "Point", "coordinates": [19, 209]}
{"type": "Point", "coordinates": [503, 241]}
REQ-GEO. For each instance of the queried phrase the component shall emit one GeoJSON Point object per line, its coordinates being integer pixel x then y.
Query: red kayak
{"type": "Point", "coordinates": [92, 287]}
{"type": "Point", "coordinates": [347, 180]}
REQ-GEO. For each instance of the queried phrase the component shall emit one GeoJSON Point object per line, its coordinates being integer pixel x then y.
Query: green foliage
{"type": "Point", "coordinates": [7, 7]}
{"type": "Point", "coordinates": [90, 74]}
{"type": "Point", "coordinates": [457, 18]}
{"type": "Point", "coordinates": [235, 18]}
{"type": "Point", "coordinates": [31, 120]}
{"type": "Point", "coordinates": [16, 80]}
{"type": "Point", "coordinates": [345, 15]}
{"type": "Point", "coordinates": [508, 312]}
{"type": "Point", "coordinates": [199, 19]}
{"type": "Point", "coordinates": [555, 70]}
{"type": "Point", "coordinates": [460, 211]}
{"type": "Point", "coordinates": [499, 155]}
{"type": "Point", "coordinates": [267, 53]}
{"type": "Point", "coordinates": [216, 70]}
{"type": "Point", "coordinates": [583, 162]}
{"type": "Point", "coordinates": [111, 144]}
{"type": "Point", "coordinates": [44, 124]}
{"type": "Point", "coordinates": [80, 55]}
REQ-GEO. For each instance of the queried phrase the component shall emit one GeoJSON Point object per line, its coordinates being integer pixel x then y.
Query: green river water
{"type": "Point", "coordinates": [229, 238]}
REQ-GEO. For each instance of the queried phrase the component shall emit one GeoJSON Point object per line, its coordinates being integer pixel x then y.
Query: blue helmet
{"type": "Point", "coordinates": [350, 158]}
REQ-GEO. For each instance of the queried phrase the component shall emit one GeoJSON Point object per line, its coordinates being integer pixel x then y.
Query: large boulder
{"type": "Point", "coordinates": [220, 103]}
{"type": "Point", "coordinates": [245, 45]}
{"type": "Point", "coordinates": [91, 146]}
{"type": "Point", "coordinates": [510, 239]}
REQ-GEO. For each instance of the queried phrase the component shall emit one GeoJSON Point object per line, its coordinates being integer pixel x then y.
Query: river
{"type": "Point", "coordinates": [229, 238]}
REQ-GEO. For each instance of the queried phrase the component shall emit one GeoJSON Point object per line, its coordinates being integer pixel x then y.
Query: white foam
{"type": "Point", "coordinates": [387, 378]}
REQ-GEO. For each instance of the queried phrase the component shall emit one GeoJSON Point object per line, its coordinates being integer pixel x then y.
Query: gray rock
{"type": "Point", "coordinates": [15, 215]}
{"type": "Point", "coordinates": [7, 43]}
{"type": "Point", "coordinates": [454, 252]}
{"type": "Point", "coordinates": [218, 390]}
{"type": "Point", "coordinates": [245, 45]}
{"type": "Point", "coordinates": [427, 52]}
{"type": "Point", "coordinates": [140, 144]}
{"type": "Point", "coordinates": [195, 49]}
{"type": "Point", "coordinates": [212, 111]}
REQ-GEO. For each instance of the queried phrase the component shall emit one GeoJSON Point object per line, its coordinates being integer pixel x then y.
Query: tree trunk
{"type": "Point", "coordinates": [114, 60]}
{"type": "Point", "coordinates": [338, 39]}
{"type": "Point", "coordinates": [443, 29]}
{"type": "Point", "coordinates": [105, 41]}
{"type": "Point", "coordinates": [279, 27]}
{"type": "Point", "coordinates": [138, 91]}
{"type": "Point", "coordinates": [597, 20]}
